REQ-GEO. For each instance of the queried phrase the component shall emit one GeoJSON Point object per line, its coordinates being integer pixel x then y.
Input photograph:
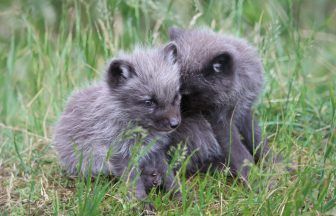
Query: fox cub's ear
{"type": "Point", "coordinates": [119, 71]}
{"type": "Point", "coordinates": [223, 63]}
{"type": "Point", "coordinates": [170, 52]}
{"type": "Point", "coordinates": [175, 32]}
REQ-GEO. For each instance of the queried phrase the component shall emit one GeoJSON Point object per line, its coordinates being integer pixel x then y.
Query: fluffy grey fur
{"type": "Point", "coordinates": [155, 172]}
{"type": "Point", "coordinates": [222, 77]}
{"type": "Point", "coordinates": [202, 146]}
{"type": "Point", "coordinates": [140, 89]}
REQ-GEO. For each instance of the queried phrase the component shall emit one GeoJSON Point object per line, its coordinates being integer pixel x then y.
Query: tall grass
{"type": "Point", "coordinates": [49, 48]}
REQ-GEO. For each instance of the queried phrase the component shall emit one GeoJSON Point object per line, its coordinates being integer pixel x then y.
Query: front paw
{"type": "Point", "coordinates": [177, 195]}
{"type": "Point", "coordinates": [148, 209]}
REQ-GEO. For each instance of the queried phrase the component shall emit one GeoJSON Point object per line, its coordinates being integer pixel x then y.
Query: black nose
{"type": "Point", "coordinates": [174, 122]}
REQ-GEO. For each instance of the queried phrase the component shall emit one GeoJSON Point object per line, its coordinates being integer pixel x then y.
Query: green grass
{"type": "Point", "coordinates": [48, 48]}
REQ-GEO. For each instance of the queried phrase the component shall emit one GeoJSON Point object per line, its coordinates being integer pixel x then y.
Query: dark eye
{"type": "Point", "coordinates": [149, 103]}
{"type": "Point", "coordinates": [176, 99]}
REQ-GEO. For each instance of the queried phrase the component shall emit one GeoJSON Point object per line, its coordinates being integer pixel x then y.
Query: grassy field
{"type": "Point", "coordinates": [49, 48]}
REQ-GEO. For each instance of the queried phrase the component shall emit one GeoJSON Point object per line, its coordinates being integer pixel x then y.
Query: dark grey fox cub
{"type": "Point", "coordinates": [141, 89]}
{"type": "Point", "coordinates": [155, 172]}
{"type": "Point", "coordinates": [222, 77]}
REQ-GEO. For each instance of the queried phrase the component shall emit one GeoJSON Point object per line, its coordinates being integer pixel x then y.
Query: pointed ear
{"type": "Point", "coordinates": [223, 63]}
{"type": "Point", "coordinates": [170, 52]}
{"type": "Point", "coordinates": [175, 32]}
{"type": "Point", "coordinates": [118, 72]}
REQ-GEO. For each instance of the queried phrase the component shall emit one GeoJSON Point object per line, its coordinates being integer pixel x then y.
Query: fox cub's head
{"type": "Point", "coordinates": [217, 70]}
{"type": "Point", "coordinates": [146, 87]}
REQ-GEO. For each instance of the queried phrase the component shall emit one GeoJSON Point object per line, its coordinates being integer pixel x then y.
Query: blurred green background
{"type": "Point", "coordinates": [48, 48]}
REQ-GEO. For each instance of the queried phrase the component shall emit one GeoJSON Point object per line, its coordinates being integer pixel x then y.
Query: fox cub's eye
{"type": "Point", "coordinates": [149, 103]}
{"type": "Point", "coordinates": [177, 99]}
